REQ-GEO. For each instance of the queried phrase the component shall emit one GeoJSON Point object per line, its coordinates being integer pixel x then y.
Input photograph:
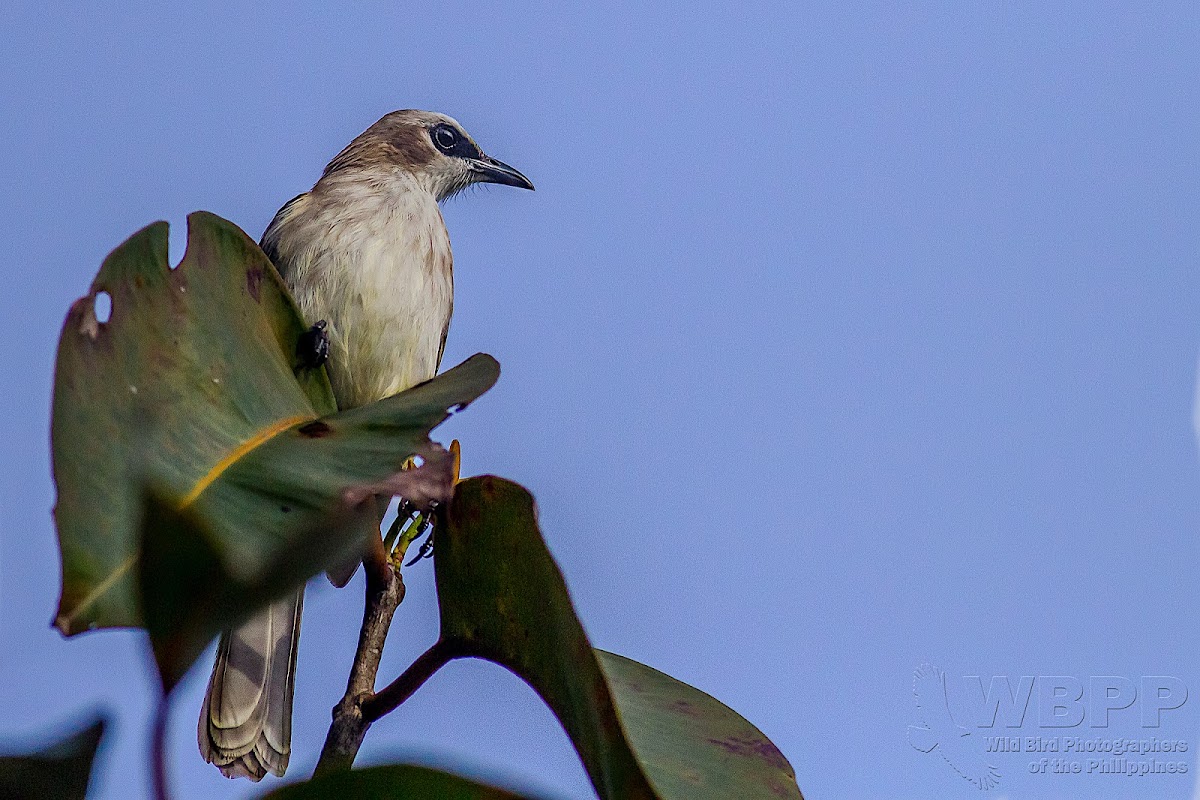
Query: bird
{"type": "Point", "coordinates": [961, 749]}
{"type": "Point", "coordinates": [366, 256]}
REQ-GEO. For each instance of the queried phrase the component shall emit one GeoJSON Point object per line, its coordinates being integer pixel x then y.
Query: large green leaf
{"type": "Point", "coordinates": [189, 593]}
{"type": "Point", "coordinates": [59, 772]}
{"type": "Point", "coordinates": [640, 733]}
{"type": "Point", "coordinates": [193, 385]}
{"type": "Point", "coordinates": [691, 744]}
{"type": "Point", "coordinates": [393, 782]}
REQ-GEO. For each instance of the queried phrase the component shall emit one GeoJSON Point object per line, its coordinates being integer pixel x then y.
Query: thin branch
{"type": "Point", "coordinates": [377, 565]}
{"type": "Point", "coordinates": [424, 487]}
{"type": "Point", "coordinates": [387, 699]}
{"type": "Point", "coordinates": [385, 591]}
{"type": "Point", "coordinates": [158, 747]}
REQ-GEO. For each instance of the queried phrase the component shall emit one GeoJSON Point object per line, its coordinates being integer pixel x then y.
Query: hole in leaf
{"type": "Point", "coordinates": [102, 307]}
{"type": "Point", "coordinates": [177, 241]}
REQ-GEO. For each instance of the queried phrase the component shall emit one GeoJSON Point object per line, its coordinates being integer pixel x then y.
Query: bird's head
{"type": "Point", "coordinates": [431, 147]}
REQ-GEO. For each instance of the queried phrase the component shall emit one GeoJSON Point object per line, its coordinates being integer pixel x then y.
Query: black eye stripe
{"type": "Point", "coordinates": [452, 142]}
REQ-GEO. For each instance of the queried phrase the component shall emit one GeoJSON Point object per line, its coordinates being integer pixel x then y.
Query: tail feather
{"type": "Point", "coordinates": [246, 721]}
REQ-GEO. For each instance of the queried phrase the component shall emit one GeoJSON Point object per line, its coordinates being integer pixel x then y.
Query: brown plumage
{"type": "Point", "coordinates": [366, 251]}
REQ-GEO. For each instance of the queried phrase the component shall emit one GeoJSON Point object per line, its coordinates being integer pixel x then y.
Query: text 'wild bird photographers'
{"type": "Point", "coordinates": [1089, 706]}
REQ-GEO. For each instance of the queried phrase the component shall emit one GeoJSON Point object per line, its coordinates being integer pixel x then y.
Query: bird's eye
{"type": "Point", "coordinates": [445, 138]}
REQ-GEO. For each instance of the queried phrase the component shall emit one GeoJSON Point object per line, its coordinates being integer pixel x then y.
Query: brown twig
{"type": "Point", "coordinates": [385, 590]}
{"type": "Point", "coordinates": [387, 699]}
{"type": "Point", "coordinates": [424, 487]}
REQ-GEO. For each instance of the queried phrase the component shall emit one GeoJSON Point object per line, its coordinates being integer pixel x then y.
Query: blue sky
{"type": "Point", "coordinates": [835, 342]}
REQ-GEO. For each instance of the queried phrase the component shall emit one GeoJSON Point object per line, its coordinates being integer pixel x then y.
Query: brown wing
{"type": "Point", "coordinates": [270, 237]}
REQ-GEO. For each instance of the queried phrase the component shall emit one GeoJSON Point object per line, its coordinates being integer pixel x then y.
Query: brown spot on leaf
{"type": "Point", "coordinates": [89, 326]}
{"type": "Point", "coordinates": [85, 309]}
{"type": "Point", "coordinates": [316, 430]}
{"type": "Point", "coordinates": [422, 486]}
{"type": "Point", "coordinates": [752, 748]}
{"type": "Point", "coordinates": [780, 790]}
{"type": "Point", "coordinates": [685, 708]}
{"type": "Point", "coordinates": [466, 515]}
{"type": "Point", "coordinates": [489, 488]}
{"type": "Point", "coordinates": [254, 277]}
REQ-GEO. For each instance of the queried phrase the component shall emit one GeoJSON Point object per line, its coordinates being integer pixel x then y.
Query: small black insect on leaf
{"type": "Point", "coordinates": [312, 348]}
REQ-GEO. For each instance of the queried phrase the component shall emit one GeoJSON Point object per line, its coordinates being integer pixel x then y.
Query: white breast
{"type": "Point", "coordinates": [372, 258]}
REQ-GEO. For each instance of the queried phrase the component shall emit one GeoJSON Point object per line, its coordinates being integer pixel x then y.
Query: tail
{"type": "Point", "coordinates": [246, 720]}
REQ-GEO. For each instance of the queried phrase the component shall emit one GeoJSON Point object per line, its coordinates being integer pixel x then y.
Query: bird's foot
{"type": "Point", "coordinates": [426, 548]}
{"type": "Point", "coordinates": [414, 521]}
{"type": "Point", "coordinates": [312, 348]}
{"type": "Point", "coordinates": [410, 525]}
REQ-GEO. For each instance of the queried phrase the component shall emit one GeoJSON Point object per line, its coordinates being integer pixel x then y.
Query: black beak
{"type": "Point", "coordinates": [492, 171]}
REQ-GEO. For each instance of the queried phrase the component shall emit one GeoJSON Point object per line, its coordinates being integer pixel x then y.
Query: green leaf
{"type": "Point", "coordinates": [188, 592]}
{"type": "Point", "coordinates": [193, 386]}
{"type": "Point", "coordinates": [640, 733]}
{"type": "Point", "coordinates": [691, 744]}
{"type": "Point", "coordinates": [394, 782]}
{"type": "Point", "coordinates": [189, 595]}
{"type": "Point", "coordinates": [185, 591]}
{"type": "Point", "coordinates": [59, 772]}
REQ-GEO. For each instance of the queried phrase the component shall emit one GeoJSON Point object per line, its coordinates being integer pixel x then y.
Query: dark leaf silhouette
{"type": "Point", "coordinates": [59, 772]}
{"type": "Point", "coordinates": [639, 732]}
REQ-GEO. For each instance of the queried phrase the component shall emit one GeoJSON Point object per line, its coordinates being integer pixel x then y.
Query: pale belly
{"type": "Point", "coordinates": [386, 314]}
{"type": "Point", "coordinates": [385, 339]}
